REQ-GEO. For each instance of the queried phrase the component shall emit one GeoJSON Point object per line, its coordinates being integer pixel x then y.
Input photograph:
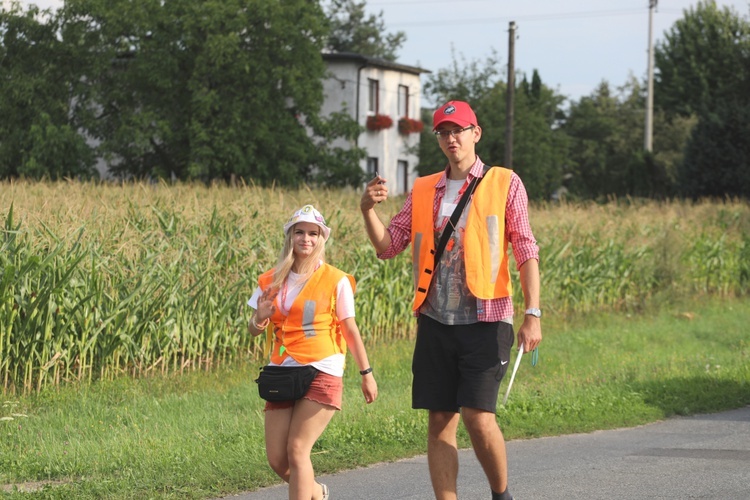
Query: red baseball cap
{"type": "Point", "coordinates": [458, 112]}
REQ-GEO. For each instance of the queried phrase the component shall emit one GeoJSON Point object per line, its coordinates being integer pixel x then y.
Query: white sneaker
{"type": "Point", "coordinates": [325, 491]}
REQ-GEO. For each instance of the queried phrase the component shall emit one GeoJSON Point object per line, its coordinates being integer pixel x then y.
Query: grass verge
{"type": "Point", "coordinates": [201, 435]}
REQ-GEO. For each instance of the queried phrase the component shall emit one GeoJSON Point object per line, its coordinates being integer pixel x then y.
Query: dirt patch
{"type": "Point", "coordinates": [28, 487]}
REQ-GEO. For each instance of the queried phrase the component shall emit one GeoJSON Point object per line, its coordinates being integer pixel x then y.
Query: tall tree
{"type": "Point", "coordinates": [205, 89]}
{"type": "Point", "coordinates": [703, 60]}
{"type": "Point", "coordinates": [606, 136]}
{"type": "Point", "coordinates": [671, 135]}
{"type": "Point", "coordinates": [38, 133]}
{"type": "Point", "coordinates": [717, 157]}
{"type": "Point", "coordinates": [352, 30]}
{"type": "Point", "coordinates": [703, 71]}
{"type": "Point", "coordinates": [539, 146]}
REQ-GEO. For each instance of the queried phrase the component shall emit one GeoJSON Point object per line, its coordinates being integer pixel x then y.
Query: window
{"type": "Point", "coordinates": [373, 101]}
{"type": "Point", "coordinates": [402, 176]}
{"type": "Point", "coordinates": [372, 167]}
{"type": "Point", "coordinates": [403, 101]}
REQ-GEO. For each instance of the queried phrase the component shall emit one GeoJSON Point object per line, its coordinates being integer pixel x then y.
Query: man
{"type": "Point", "coordinates": [463, 302]}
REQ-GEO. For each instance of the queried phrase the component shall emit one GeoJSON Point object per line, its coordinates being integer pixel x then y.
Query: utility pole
{"type": "Point", "coordinates": [649, 132]}
{"type": "Point", "coordinates": [510, 91]}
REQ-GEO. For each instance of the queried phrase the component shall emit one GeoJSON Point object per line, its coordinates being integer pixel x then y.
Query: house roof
{"type": "Point", "coordinates": [373, 61]}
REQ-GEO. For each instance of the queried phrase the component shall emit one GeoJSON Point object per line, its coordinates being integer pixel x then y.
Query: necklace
{"type": "Point", "coordinates": [285, 290]}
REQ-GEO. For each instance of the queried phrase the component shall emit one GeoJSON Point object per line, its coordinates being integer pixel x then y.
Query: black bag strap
{"type": "Point", "coordinates": [448, 231]}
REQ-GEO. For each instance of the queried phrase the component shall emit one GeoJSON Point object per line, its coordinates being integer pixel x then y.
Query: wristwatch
{"type": "Point", "coordinates": [533, 311]}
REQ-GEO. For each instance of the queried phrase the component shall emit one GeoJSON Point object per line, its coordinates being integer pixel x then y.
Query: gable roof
{"type": "Point", "coordinates": [373, 61]}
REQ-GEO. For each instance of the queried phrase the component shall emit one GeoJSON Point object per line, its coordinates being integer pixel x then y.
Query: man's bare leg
{"type": "Point", "coordinates": [442, 453]}
{"type": "Point", "coordinates": [489, 446]}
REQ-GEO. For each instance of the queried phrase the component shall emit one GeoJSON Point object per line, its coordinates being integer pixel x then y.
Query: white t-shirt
{"type": "Point", "coordinates": [334, 364]}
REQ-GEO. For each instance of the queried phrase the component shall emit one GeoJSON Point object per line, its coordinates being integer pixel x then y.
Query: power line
{"type": "Point", "coordinates": [525, 18]}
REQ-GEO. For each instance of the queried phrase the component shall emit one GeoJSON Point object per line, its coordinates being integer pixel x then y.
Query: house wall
{"type": "Point", "coordinates": [347, 88]}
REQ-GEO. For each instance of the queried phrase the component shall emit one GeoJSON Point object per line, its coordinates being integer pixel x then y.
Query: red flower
{"type": "Point", "coordinates": [408, 126]}
{"type": "Point", "coordinates": [379, 122]}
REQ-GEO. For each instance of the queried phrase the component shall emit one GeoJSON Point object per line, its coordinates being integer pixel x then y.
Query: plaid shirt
{"type": "Point", "coordinates": [517, 232]}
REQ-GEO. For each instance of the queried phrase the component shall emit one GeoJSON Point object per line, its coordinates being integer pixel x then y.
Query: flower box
{"type": "Point", "coordinates": [379, 122]}
{"type": "Point", "coordinates": [408, 126]}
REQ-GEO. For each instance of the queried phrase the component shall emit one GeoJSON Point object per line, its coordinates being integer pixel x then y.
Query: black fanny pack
{"type": "Point", "coordinates": [282, 383]}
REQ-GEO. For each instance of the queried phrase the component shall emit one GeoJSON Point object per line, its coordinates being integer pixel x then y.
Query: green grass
{"type": "Point", "coordinates": [200, 435]}
{"type": "Point", "coordinates": [622, 370]}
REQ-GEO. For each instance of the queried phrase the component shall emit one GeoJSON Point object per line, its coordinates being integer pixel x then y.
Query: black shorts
{"type": "Point", "coordinates": [458, 366]}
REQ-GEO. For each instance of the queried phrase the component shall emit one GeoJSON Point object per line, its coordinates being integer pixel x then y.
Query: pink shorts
{"type": "Point", "coordinates": [325, 389]}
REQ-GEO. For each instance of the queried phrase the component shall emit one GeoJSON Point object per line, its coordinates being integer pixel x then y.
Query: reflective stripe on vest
{"type": "Point", "coordinates": [485, 245]}
{"type": "Point", "coordinates": [312, 331]}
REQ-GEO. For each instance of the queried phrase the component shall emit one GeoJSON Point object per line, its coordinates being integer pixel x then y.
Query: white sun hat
{"type": "Point", "coordinates": [308, 213]}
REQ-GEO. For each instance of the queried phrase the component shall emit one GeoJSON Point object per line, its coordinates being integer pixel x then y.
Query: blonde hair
{"type": "Point", "coordinates": [286, 260]}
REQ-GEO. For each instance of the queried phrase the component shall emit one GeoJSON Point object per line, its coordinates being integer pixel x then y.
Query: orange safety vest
{"type": "Point", "coordinates": [485, 245]}
{"type": "Point", "coordinates": [312, 331]}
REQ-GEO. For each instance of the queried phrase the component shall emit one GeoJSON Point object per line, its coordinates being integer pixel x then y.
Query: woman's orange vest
{"type": "Point", "coordinates": [485, 245]}
{"type": "Point", "coordinates": [312, 331]}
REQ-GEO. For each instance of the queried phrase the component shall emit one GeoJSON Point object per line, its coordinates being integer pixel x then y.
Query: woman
{"type": "Point", "coordinates": [311, 306]}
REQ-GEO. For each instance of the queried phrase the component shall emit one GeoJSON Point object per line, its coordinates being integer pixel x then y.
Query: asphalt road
{"type": "Point", "coordinates": [703, 456]}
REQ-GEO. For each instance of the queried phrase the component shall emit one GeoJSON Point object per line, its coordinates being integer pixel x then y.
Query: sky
{"type": "Point", "coordinates": [574, 45]}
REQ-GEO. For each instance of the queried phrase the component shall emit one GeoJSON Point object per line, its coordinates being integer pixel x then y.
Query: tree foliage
{"type": "Point", "coordinates": [336, 165]}
{"type": "Point", "coordinates": [38, 132]}
{"type": "Point", "coordinates": [704, 74]}
{"type": "Point", "coordinates": [599, 154]}
{"type": "Point", "coordinates": [607, 157]}
{"type": "Point", "coordinates": [539, 146]}
{"type": "Point", "coordinates": [703, 61]}
{"type": "Point", "coordinates": [717, 157]}
{"type": "Point", "coordinates": [188, 90]}
{"type": "Point", "coordinates": [463, 80]}
{"type": "Point", "coordinates": [207, 89]}
{"type": "Point", "coordinates": [352, 30]}
{"type": "Point", "coordinates": [201, 90]}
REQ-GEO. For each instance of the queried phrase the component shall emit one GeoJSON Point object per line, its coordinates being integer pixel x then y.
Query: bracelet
{"type": "Point", "coordinates": [365, 372]}
{"type": "Point", "coordinates": [262, 326]}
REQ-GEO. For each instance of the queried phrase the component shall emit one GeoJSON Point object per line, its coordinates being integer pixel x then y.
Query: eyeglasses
{"type": "Point", "coordinates": [455, 132]}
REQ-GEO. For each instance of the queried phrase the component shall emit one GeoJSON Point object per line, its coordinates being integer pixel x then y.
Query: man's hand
{"type": "Point", "coordinates": [530, 333]}
{"type": "Point", "coordinates": [375, 192]}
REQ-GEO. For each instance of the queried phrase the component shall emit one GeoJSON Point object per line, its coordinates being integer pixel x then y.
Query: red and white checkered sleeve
{"type": "Point", "coordinates": [517, 227]}
{"type": "Point", "coordinates": [400, 231]}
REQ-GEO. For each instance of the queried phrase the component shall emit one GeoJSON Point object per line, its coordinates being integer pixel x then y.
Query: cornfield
{"type": "Point", "coordinates": [103, 280]}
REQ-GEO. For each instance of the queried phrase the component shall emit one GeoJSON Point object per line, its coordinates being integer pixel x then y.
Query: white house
{"type": "Point", "coordinates": [372, 89]}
